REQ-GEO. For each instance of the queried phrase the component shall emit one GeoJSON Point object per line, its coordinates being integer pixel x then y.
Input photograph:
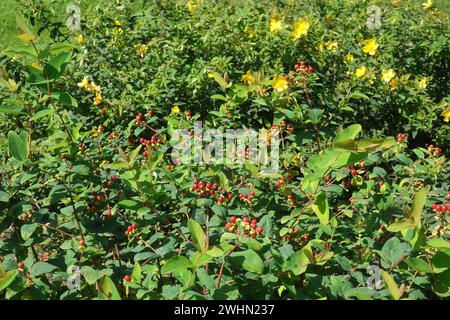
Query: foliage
{"type": "Point", "coordinates": [87, 179]}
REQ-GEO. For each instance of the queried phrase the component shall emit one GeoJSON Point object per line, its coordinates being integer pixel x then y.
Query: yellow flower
{"type": "Point", "coordinates": [393, 84]}
{"type": "Point", "coordinates": [248, 77]}
{"type": "Point", "coordinates": [320, 47]}
{"type": "Point", "coordinates": [92, 87]}
{"type": "Point", "coordinates": [388, 75]}
{"type": "Point", "coordinates": [423, 83]}
{"type": "Point", "coordinates": [427, 5]}
{"type": "Point", "coordinates": [360, 72]}
{"type": "Point", "coordinates": [175, 110]}
{"type": "Point", "coordinates": [250, 32]}
{"type": "Point", "coordinates": [446, 114]}
{"type": "Point", "coordinates": [349, 58]}
{"type": "Point", "coordinates": [83, 82]}
{"type": "Point", "coordinates": [275, 25]}
{"type": "Point", "coordinates": [279, 83]}
{"type": "Point", "coordinates": [35, 65]}
{"type": "Point", "coordinates": [117, 23]}
{"type": "Point", "coordinates": [79, 39]}
{"type": "Point", "coordinates": [191, 6]}
{"type": "Point", "coordinates": [370, 46]}
{"type": "Point", "coordinates": [98, 98]}
{"type": "Point", "coordinates": [141, 50]}
{"type": "Point", "coordinates": [332, 45]}
{"type": "Point", "coordinates": [300, 28]}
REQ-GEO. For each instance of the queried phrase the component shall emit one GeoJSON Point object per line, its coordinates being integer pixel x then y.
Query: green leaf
{"type": "Point", "coordinates": [129, 204]}
{"type": "Point", "coordinates": [17, 146]}
{"type": "Point", "coordinates": [417, 207]}
{"type": "Point", "coordinates": [27, 230]}
{"type": "Point", "coordinates": [391, 285]}
{"type": "Point", "coordinates": [107, 289]}
{"type": "Point", "coordinates": [321, 208]}
{"type": "Point", "coordinates": [418, 264]}
{"type": "Point", "coordinates": [249, 260]}
{"type": "Point", "coordinates": [438, 243]}
{"type": "Point", "coordinates": [137, 273]}
{"type": "Point", "coordinates": [11, 109]}
{"type": "Point", "coordinates": [7, 278]}
{"type": "Point", "coordinates": [219, 79]}
{"type": "Point", "coordinates": [42, 268]}
{"type": "Point", "coordinates": [348, 133]}
{"type": "Point", "coordinates": [176, 263]}
{"type": "Point", "coordinates": [198, 236]}
{"type": "Point", "coordinates": [400, 225]}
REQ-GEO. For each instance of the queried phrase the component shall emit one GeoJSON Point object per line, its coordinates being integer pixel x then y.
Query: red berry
{"type": "Point", "coordinates": [227, 226]}
{"type": "Point", "coordinates": [229, 197]}
{"type": "Point", "coordinates": [20, 266]}
{"type": "Point", "coordinates": [296, 66]}
{"type": "Point", "coordinates": [305, 237]}
{"type": "Point", "coordinates": [245, 219]}
{"type": "Point", "coordinates": [127, 278]}
{"type": "Point", "coordinates": [129, 228]}
{"type": "Point", "coordinates": [351, 166]}
{"type": "Point", "coordinates": [293, 74]}
{"type": "Point", "coordinates": [254, 221]}
{"type": "Point", "coordinates": [252, 194]}
{"type": "Point", "coordinates": [354, 172]}
{"type": "Point", "coordinates": [81, 242]}
{"type": "Point", "coordinates": [219, 200]}
{"type": "Point", "coordinates": [438, 207]}
{"type": "Point", "coordinates": [134, 226]}
{"type": "Point", "coordinates": [232, 219]}
{"type": "Point", "coordinates": [433, 206]}
{"type": "Point", "coordinates": [208, 185]}
{"type": "Point", "coordinates": [259, 230]}
{"type": "Point", "coordinates": [212, 191]}
{"type": "Point", "coordinates": [296, 230]}
{"type": "Point", "coordinates": [195, 186]}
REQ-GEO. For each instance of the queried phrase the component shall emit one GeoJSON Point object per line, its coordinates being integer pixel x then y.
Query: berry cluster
{"type": "Point", "coordinates": [301, 67]}
{"type": "Point", "coordinates": [295, 235]}
{"type": "Point", "coordinates": [131, 229]}
{"type": "Point", "coordinates": [441, 207]}
{"type": "Point", "coordinates": [357, 168]}
{"type": "Point", "coordinates": [244, 227]}
{"type": "Point", "coordinates": [44, 257]}
{"type": "Point", "coordinates": [401, 137]}
{"type": "Point", "coordinates": [111, 181]}
{"type": "Point", "coordinates": [140, 117]}
{"type": "Point", "coordinates": [27, 215]}
{"type": "Point", "coordinates": [279, 184]}
{"type": "Point", "coordinates": [153, 143]}
{"type": "Point", "coordinates": [247, 198]}
{"type": "Point", "coordinates": [291, 200]}
{"type": "Point", "coordinates": [435, 151]}
{"type": "Point", "coordinates": [211, 190]}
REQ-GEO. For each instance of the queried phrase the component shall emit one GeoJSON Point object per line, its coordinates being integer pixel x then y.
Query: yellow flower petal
{"type": "Point", "coordinates": [275, 25]}
{"type": "Point", "coordinates": [248, 77]}
{"type": "Point", "coordinates": [370, 46]}
{"type": "Point", "coordinates": [279, 83]}
{"type": "Point", "coordinates": [388, 75]}
{"type": "Point", "coordinates": [300, 28]}
{"type": "Point", "coordinates": [360, 72]}
{"type": "Point", "coordinates": [446, 115]}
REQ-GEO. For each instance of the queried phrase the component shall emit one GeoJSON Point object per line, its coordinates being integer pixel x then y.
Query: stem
{"type": "Point", "coordinates": [223, 264]}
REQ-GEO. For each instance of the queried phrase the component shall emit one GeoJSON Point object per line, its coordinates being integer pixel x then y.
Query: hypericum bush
{"type": "Point", "coordinates": [92, 205]}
